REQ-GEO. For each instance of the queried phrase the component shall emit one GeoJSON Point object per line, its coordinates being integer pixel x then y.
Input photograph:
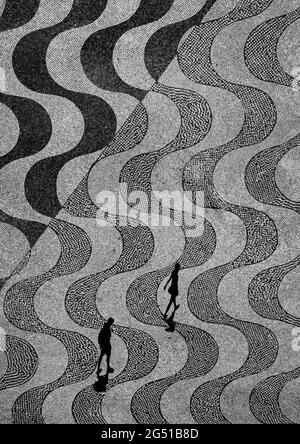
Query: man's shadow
{"type": "Point", "coordinates": [101, 384]}
{"type": "Point", "coordinates": [170, 321]}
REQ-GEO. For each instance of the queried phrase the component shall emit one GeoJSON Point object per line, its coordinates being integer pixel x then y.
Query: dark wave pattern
{"type": "Point", "coordinates": [264, 288]}
{"type": "Point", "coordinates": [196, 120]}
{"type": "Point", "coordinates": [31, 139]}
{"type": "Point", "coordinates": [3, 282]}
{"type": "Point", "coordinates": [17, 13]}
{"type": "Point", "coordinates": [141, 298]}
{"type": "Point", "coordinates": [29, 62]}
{"type": "Point", "coordinates": [142, 359]}
{"type": "Point", "coordinates": [203, 355]}
{"type": "Point", "coordinates": [32, 230]}
{"type": "Point", "coordinates": [130, 135]}
{"type": "Point", "coordinates": [97, 52]}
{"type": "Point", "coordinates": [262, 343]}
{"type": "Point", "coordinates": [261, 170]}
{"type": "Point", "coordinates": [138, 245]}
{"type": "Point", "coordinates": [81, 307]}
{"type": "Point", "coordinates": [162, 47]}
{"type": "Point", "coordinates": [263, 293]}
{"type": "Point", "coordinates": [19, 310]}
{"type": "Point", "coordinates": [261, 49]}
{"type": "Point", "coordinates": [261, 183]}
{"type": "Point", "coordinates": [80, 302]}
{"type": "Point", "coordinates": [260, 176]}
{"type": "Point", "coordinates": [203, 351]}
{"type": "Point", "coordinates": [22, 363]}
{"type": "Point", "coordinates": [145, 164]}
{"type": "Point", "coordinates": [264, 399]}
{"type": "Point", "coordinates": [260, 118]}
{"type": "Point", "coordinates": [142, 294]}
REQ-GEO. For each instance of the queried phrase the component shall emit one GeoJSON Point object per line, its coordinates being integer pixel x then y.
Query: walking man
{"type": "Point", "coordinates": [104, 339]}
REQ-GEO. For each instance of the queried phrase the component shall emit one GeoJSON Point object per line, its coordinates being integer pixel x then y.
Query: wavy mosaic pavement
{"type": "Point", "coordinates": [197, 97]}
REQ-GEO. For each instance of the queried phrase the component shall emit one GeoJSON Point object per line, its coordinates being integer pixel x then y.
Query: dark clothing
{"type": "Point", "coordinates": [105, 337]}
{"type": "Point", "coordinates": [173, 290]}
{"type": "Point", "coordinates": [105, 349]}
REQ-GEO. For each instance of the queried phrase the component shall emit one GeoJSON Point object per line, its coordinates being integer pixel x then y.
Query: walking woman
{"type": "Point", "coordinates": [173, 290]}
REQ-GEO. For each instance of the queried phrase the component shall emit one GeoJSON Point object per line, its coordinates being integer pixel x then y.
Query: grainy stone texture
{"type": "Point", "coordinates": [165, 96]}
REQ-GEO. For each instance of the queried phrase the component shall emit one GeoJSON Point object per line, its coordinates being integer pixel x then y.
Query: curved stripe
{"type": "Point", "coordinates": [19, 310]}
{"type": "Point", "coordinates": [260, 175]}
{"type": "Point", "coordinates": [260, 119]}
{"type": "Point", "coordinates": [264, 400]}
{"type": "Point", "coordinates": [17, 13]}
{"type": "Point", "coordinates": [202, 357]}
{"type": "Point", "coordinates": [196, 120]}
{"type": "Point", "coordinates": [22, 363]}
{"type": "Point", "coordinates": [97, 52]}
{"type": "Point", "coordinates": [141, 299]}
{"type": "Point", "coordinates": [31, 140]}
{"type": "Point", "coordinates": [32, 230]}
{"type": "Point", "coordinates": [138, 245]}
{"type": "Point", "coordinates": [202, 348]}
{"type": "Point", "coordinates": [99, 119]}
{"type": "Point", "coordinates": [31, 118]}
{"type": "Point", "coordinates": [263, 344]}
{"type": "Point", "coordinates": [82, 358]}
{"type": "Point", "coordinates": [162, 47]}
{"type": "Point", "coordinates": [130, 135]}
{"type": "Point", "coordinates": [263, 293]}
{"type": "Point", "coordinates": [261, 49]}
{"type": "Point", "coordinates": [261, 184]}
{"type": "Point", "coordinates": [142, 359]}
{"type": "Point", "coordinates": [195, 124]}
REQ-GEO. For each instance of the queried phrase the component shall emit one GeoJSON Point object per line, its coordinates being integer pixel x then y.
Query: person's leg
{"type": "Point", "coordinates": [174, 302]}
{"type": "Point", "coordinates": [99, 362]}
{"type": "Point", "coordinates": [109, 368]}
{"type": "Point", "coordinates": [168, 308]}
